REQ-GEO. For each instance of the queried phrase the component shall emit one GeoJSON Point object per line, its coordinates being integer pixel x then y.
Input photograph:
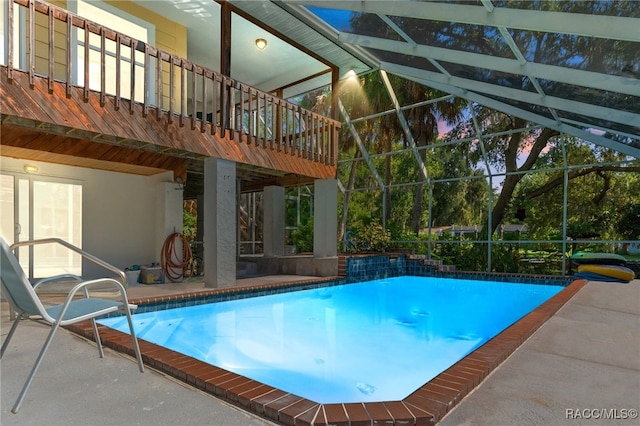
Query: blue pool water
{"type": "Point", "coordinates": [364, 342]}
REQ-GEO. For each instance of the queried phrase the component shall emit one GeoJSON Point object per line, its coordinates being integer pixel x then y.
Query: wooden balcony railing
{"type": "Point", "coordinates": [81, 53]}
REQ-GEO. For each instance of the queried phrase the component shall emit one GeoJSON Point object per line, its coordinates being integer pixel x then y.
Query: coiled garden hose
{"type": "Point", "coordinates": [171, 260]}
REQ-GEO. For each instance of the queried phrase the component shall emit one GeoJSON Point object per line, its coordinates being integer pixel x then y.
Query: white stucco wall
{"type": "Point", "coordinates": [120, 217]}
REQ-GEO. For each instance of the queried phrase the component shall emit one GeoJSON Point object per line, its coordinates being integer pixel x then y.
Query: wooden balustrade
{"type": "Point", "coordinates": [133, 72]}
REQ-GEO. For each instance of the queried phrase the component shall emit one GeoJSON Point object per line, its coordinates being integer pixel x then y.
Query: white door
{"type": "Point", "coordinates": [36, 208]}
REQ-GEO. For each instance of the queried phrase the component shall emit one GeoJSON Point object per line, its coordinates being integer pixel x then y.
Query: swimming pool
{"type": "Point", "coordinates": [426, 406]}
{"type": "Point", "coordinates": [363, 342]}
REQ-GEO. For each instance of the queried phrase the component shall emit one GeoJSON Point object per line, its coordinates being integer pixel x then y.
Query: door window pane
{"type": "Point", "coordinates": [7, 220]}
{"type": "Point", "coordinates": [57, 212]}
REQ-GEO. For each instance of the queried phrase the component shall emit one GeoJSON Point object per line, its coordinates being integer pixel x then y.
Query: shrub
{"type": "Point", "coordinates": [374, 238]}
{"type": "Point", "coordinates": [303, 237]}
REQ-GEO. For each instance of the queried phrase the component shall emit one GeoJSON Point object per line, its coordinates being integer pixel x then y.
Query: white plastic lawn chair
{"type": "Point", "coordinates": [24, 301]}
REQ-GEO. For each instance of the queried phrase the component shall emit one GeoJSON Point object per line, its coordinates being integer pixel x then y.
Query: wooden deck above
{"type": "Point", "coordinates": [183, 114]}
{"type": "Point", "coordinates": [47, 126]}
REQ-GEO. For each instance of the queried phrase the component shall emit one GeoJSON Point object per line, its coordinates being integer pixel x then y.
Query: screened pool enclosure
{"type": "Point", "coordinates": [490, 135]}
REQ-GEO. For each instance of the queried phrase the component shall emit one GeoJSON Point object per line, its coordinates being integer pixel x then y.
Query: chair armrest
{"type": "Point", "coordinates": [121, 276]}
{"type": "Point", "coordinates": [55, 278]}
{"type": "Point", "coordinates": [82, 288]}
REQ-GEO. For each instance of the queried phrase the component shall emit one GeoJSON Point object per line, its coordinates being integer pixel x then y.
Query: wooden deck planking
{"type": "Point", "coordinates": [39, 105]}
{"type": "Point", "coordinates": [14, 98]}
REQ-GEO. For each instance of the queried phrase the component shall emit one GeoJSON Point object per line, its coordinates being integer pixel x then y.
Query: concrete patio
{"type": "Point", "coordinates": [586, 358]}
{"type": "Point", "coordinates": [584, 362]}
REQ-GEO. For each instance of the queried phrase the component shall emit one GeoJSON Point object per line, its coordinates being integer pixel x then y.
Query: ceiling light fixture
{"type": "Point", "coordinates": [261, 43]}
{"type": "Point", "coordinates": [30, 168]}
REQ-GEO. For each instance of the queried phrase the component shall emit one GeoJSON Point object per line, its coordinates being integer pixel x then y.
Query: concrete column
{"type": "Point", "coordinates": [198, 249]}
{"type": "Point", "coordinates": [168, 219]}
{"type": "Point", "coordinates": [219, 223]}
{"type": "Point", "coordinates": [274, 221]}
{"type": "Point", "coordinates": [325, 218]}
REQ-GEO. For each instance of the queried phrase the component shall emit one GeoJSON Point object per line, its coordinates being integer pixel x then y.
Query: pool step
{"type": "Point", "coordinates": [447, 268]}
{"type": "Point", "coordinates": [438, 265]}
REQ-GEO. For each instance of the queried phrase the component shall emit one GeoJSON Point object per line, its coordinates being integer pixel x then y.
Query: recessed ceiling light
{"type": "Point", "coordinates": [261, 43]}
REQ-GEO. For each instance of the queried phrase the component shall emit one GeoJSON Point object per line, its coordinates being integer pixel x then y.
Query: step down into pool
{"type": "Point", "coordinates": [438, 265]}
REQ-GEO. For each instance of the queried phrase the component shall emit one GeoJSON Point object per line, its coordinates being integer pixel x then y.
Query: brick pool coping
{"type": "Point", "coordinates": [425, 406]}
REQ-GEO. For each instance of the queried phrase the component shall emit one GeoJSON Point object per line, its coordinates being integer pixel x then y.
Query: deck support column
{"type": "Point", "coordinates": [219, 223]}
{"type": "Point", "coordinates": [325, 218]}
{"type": "Point", "coordinates": [274, 214]}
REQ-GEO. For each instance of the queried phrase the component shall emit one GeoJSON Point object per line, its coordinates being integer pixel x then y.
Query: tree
{"type": "Point", "coordinates": [629, 224]}
{"type": "Point", "coordinates": [422, 120]}
{"type": "Point", "coordinates": [518, 152]}
{"type": "Point", "coordinates": [519, 147]}
{"type": "Point", "coordinates": [598, 186]}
